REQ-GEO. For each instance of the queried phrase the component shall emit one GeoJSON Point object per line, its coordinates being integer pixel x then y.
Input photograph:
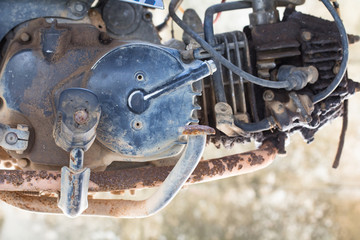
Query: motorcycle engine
{"type": "Point", "coordinates": [118, 52]}
{"type": "Point", "coordinates": [96, 77]}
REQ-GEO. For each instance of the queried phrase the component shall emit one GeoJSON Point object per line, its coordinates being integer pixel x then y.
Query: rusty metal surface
{"type": "Point", "coordinates": [124, 179]}
{"type": "Point", "coordinates": [198, 129]}
{"type": "Point", "coordinates": [143, 177]}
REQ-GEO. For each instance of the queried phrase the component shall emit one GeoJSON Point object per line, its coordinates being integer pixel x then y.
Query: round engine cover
{"type": "Point", "coordinates": [140, 67]}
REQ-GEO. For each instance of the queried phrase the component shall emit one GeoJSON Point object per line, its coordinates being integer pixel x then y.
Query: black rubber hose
{"type": "Point", "coordinates": [209, 15]}
{"type": "Point", "coordinates": [345, 45]}
{"type": "Point", "coordinates": [263, 125]}
{"type": "Point", "coordinates": [210, 38]}
{"type": "Point", "coordinates": [342, 135]}
{"type": "Point", "coordinates": [221, 59]}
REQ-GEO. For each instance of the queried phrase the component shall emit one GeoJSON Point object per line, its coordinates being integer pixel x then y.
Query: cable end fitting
{"type": "Point", "coordinates": [297, 77]}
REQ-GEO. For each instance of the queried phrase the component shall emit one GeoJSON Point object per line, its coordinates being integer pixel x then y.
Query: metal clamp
{"type": "Point", "coordinates": [14, 139]}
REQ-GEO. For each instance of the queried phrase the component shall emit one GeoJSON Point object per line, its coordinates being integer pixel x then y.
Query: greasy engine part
{"type": "Point", "coordinates": [126, 68]}
{"type": "Point", "coordinates": [128, 21]}
{"type": "Point", "coordinates": [309, 44]}
{"type": "Point", "coordinates": [303, 40]}
{"type": "Point", "coordinates": [98, 96]}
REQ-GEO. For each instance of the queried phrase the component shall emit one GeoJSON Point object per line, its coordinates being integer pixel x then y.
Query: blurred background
{"type": "Point", "coordinates": [300, 196]}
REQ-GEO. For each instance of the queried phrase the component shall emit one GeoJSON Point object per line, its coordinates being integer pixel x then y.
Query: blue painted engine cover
{"type": "Point", "coordinates": [141, 67]}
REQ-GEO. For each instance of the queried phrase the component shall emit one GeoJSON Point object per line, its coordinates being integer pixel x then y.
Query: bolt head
{"type": "Point", "coordinates": [336, 69]}
{"type": "Point", "coordinates": [11, 138]}
{"type": "Point", "coordinates": [25, 37]}
{"type": "Point", "coordinates": [306, 36]}
{"type": "Point", "coordinates": [268, 96]}
{"type": "Point", "coordinates": [79, 7]}
{"type": "Point", "coordinates": [81, 116]}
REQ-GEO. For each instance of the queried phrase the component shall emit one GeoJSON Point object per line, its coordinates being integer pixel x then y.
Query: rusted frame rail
{"type": "Point", "coordinates": [14, 183]}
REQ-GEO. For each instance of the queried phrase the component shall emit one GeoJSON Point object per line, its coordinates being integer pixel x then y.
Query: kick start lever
{"type": "Point", "coordinates": [78, 114]}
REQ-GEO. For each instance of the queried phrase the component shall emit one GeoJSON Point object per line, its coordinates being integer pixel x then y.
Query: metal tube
{"type": "Point", "coordinates": [210, 38]}
{"type": "Point", "coordinates": [263, 125]}
{"type": "Point", "coordinates": [140, 178]}
{"type": "Point", "coordinates": [209, 16]}
{"type": "Point", "coordinates": [209, 170]}
{"type": "Point", "coordinates": [264, 12]}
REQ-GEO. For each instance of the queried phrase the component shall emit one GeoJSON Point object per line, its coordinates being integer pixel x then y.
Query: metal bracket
{"type": "Point", "coordinates": [299, 107]}
{"type": "Point", "coordinates": [225, 120]}
{"type": "Point", "coordinates": [14, 139]}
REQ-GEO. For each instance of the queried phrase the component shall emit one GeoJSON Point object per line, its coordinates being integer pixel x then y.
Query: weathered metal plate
{"type": "Point", "coordinates": [141, 67]}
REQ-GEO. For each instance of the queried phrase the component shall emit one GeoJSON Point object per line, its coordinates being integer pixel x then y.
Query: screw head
{"type": "Point", "coordinates": [11, 138]}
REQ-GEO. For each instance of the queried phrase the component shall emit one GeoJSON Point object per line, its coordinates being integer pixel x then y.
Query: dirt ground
{"type": "Point", "coordinates": [298, 197]}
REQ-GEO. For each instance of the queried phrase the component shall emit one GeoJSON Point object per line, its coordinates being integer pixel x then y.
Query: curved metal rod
{"type": "Point", "coordinates": [137, 209]}
{"type": "Point", "coordinates": [173, 183]}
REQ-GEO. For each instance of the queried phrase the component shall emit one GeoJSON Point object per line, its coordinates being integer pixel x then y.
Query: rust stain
{"type": "Point", "coordinates": [256, 159]}
{"type": "Point", "coordinates": [198, 129]}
